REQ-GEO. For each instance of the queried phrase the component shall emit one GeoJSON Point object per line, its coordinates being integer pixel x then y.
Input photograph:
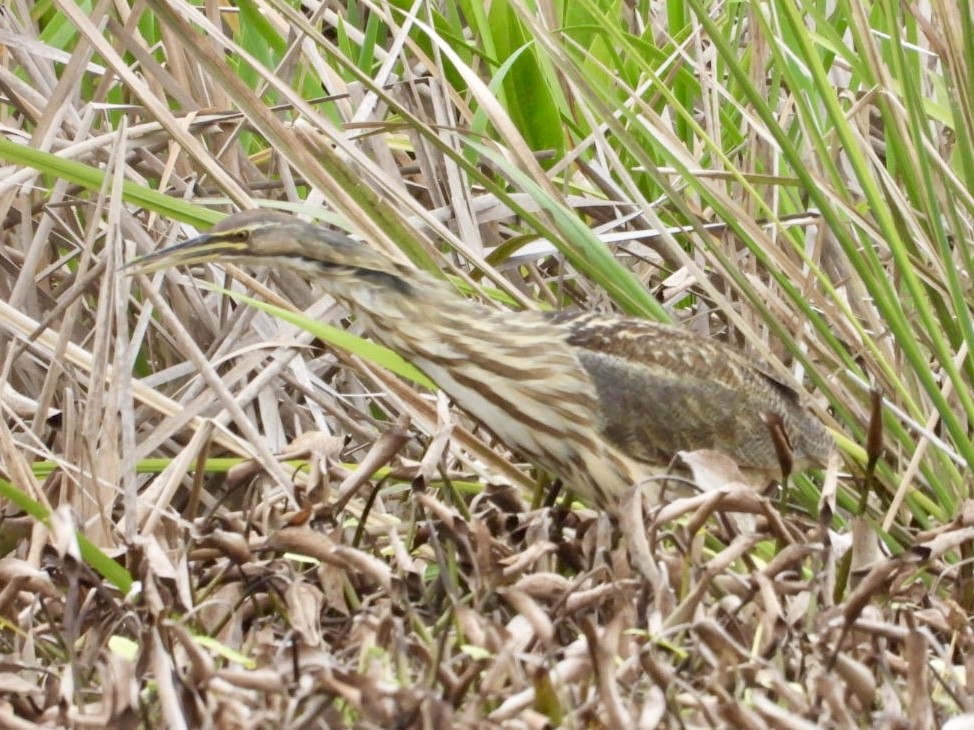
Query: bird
{"type": "Point", "coordinates": [599, 400]}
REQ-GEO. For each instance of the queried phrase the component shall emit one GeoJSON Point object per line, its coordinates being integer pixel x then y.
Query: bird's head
{"type": "Point", "coordinates": [270, 238]}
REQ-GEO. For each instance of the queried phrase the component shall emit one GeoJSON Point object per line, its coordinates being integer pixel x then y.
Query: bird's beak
{"type": "Point", "coordinates": [199, 250]}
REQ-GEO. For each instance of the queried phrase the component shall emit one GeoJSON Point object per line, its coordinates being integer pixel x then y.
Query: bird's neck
{"type": "Point", "coordinates": [403, 308]}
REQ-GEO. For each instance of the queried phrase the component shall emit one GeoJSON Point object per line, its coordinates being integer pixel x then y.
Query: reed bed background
{"type": "Point", "coordinates": [795, 178]}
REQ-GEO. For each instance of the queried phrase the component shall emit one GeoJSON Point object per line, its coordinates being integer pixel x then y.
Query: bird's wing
{"type": "Point", "coordinates": [663, 390]}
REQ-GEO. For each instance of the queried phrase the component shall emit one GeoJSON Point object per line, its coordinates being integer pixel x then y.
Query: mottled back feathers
{"type": "Point", "coordinates": [664, 390]}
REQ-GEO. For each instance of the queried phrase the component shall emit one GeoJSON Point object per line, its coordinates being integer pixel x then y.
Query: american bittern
{"type": "Point", "coordinates": [600, 400]}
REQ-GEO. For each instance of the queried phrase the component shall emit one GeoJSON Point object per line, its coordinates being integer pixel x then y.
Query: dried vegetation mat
{"type": "Point", "coordinates": [399, 604]}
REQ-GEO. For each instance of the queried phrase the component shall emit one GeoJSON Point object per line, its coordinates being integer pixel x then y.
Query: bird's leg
{"type": "Point", "coordinates": [551, 494]}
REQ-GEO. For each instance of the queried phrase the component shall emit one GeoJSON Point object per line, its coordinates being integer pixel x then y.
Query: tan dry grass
{"type": "Point", "coordinates": [416, 605]}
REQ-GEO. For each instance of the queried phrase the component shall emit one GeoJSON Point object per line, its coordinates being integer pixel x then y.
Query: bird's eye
{"type": "Point", "coordinates": [239, 236]}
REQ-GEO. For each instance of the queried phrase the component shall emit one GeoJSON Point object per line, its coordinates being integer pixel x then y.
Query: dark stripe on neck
{"type": "Point", "coordinates": [384, 278]}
